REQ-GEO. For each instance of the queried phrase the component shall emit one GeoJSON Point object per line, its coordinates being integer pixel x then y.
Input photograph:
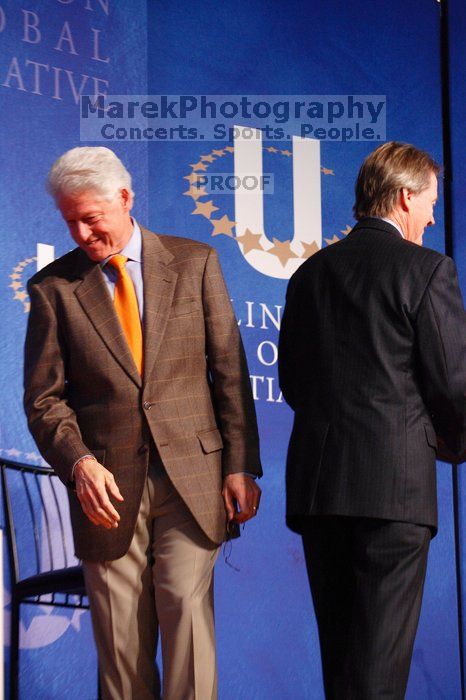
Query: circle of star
{"type": "Point", "coordinates": [16, 284]}
{"type": "Point", "coordinates": [223, 225]}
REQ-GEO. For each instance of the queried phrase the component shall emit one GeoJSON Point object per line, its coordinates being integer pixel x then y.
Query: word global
{"type": "Point", "coordinates": [36, 33]}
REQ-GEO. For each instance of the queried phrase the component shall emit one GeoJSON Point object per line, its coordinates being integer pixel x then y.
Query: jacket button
{"type": "Point", "coordinates": [147, 405]}
{"type": "Point", "coordinates": [143, 449]}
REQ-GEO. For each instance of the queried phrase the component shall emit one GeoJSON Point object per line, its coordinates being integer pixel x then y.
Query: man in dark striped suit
{"type": "Point", "coordinates": [372, 361]}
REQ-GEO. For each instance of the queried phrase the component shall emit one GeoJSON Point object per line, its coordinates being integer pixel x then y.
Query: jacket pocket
{"type": "Point", "coordinates": [305, 455]}
{"type": "Point", "coordinates": [183, 309]}
{"type": "Point", "coordinates": [210, 440]}
{"type": "Point", "coordinates": [431, 436]}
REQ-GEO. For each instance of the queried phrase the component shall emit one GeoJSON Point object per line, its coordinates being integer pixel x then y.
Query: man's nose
{"type": "Point", "coordinates": [82, 230]}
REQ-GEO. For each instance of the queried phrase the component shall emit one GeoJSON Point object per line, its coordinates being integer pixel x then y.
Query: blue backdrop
{"type": "Point", "coordinates": [267, 639]}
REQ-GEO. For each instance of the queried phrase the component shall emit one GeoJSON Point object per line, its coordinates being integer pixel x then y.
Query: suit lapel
{"type": "Point", "coordinates": [92, 294]}
{"type": "Point", "coordinates": [159, 288]}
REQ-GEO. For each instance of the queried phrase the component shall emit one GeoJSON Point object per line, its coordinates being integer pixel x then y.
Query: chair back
{"type": "Point", "coordinates": [38, 525]}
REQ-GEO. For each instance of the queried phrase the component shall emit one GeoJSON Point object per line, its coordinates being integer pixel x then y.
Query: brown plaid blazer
{"type": "Point", "coordinates": [83, 393]}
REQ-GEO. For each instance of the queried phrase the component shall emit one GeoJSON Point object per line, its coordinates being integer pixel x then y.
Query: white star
{"type": "Point", "coordinates": [32, 456]}
{"type": "Point", "coordinates": [13, 452]}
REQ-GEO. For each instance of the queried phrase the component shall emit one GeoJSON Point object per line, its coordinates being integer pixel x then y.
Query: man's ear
{"type": "Point", "coordinates": [126, 198]}
{"type": "Point", "coordinates": [405, 198]}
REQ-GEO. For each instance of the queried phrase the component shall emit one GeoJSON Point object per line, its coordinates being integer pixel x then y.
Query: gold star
{"type": "Point", "coordinates": [15, 276]}
{"type": "Point", "coordinates": [29, 260]}
{"type": "Point", "coordinates": [205, 208]}
{"type": "Point", "coordinates": [286, 153]}
{"type": "Point", "coordinates": [218, 153]}
{"type": "Point", "coordinates": [27, 306]}
{"type": "Point", "coordinates": [250, 241]}
{"type": "Point", "coordinates": [207, 159]}
{"type": "Point", "coordinates": [282, 250]}
{"type": "Point", "coordinates": [309, 249]}
{"type": "Point", "coordinates": [20, 295]}
{"type": "Point", "coordinates": [192, 177]}
{"type": "Point", "coordinates": [272, 149]}
{"type": "Point", "coordinates": [335, 239]}
{"type": "Point", "coordinates": [18, 268]}
{"type": "Point", "coordinates": [195, 192]}
{"type": "Point", "coordinates": [15, 285]}
{"type": "Point", "coordinates": [198, 166]}
{"type": "Point", "coordinates": [327, 171]}
{"type": "Point", "coordinates": [223, 225]}
{"type": "Point", "coordinates": [230, 149]}
{"type": "Point", "coordinates": [346, 230]}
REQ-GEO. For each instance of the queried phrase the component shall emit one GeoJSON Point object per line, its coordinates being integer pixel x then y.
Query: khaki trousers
{"type": "Point", "coordinates": [165, 581]}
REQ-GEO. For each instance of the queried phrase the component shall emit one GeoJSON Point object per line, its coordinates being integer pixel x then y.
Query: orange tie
{"type": "Point", "coordinates": [126, 306]}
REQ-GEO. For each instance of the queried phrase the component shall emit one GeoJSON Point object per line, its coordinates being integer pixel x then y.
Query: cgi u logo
{"type": "Point", "coordinates": [249, 206]}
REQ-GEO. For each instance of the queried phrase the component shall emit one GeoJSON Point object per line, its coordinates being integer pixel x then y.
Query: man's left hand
{"type": "Point", "coordinates": [241, 496]}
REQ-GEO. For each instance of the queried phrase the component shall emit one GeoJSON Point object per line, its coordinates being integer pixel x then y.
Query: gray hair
{"type": "Point", "coordinates": [94, 168]}
{"type": "Point", "coordinates": [385, 172]}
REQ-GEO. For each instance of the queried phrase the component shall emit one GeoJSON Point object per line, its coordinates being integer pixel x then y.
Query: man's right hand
{"type": "Point", "coordinates": [93, 485]}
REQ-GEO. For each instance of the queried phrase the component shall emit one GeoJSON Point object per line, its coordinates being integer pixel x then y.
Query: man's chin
{"type": "Point", "coordinates": [94, 254]}
{"type": "Point", "coordinates": [95, 257]}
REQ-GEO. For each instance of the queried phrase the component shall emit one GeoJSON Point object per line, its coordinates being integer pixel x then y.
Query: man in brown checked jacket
{"type": "Point", "coordinates": [137, 394]}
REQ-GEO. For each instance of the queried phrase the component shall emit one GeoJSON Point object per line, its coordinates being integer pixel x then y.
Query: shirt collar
{"type": "Point", "coordinates": [133, 249]}
{"type": "Point", "coordinates": [390, 221]}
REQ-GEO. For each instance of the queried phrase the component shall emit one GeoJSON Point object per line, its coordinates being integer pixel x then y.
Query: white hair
{"type": "Point", "coordinates": [94, 168]}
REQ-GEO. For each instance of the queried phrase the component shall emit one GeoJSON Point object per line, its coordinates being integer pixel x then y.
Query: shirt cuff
{"type": "Point", "coordinates": [78, 461]}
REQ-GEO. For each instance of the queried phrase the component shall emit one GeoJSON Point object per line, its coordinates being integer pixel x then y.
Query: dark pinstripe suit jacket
{"type": "Point", "coordinates": [372, 360]}
{"type": "Point", "coordinates": [83, 393]}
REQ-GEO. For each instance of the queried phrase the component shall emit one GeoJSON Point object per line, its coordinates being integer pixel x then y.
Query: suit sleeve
{"type": "Point", "coordinates": [229, 376]}
{"type": "Point", "coordinates": [441, 334]}
{"type": "Point", "coordinates": [293, 342]}
{"type": "Point", "coordinates": [51, 420]}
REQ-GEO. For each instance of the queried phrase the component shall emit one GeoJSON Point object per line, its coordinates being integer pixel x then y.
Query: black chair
{"type": "Point", "coordinates": [44, 570]}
